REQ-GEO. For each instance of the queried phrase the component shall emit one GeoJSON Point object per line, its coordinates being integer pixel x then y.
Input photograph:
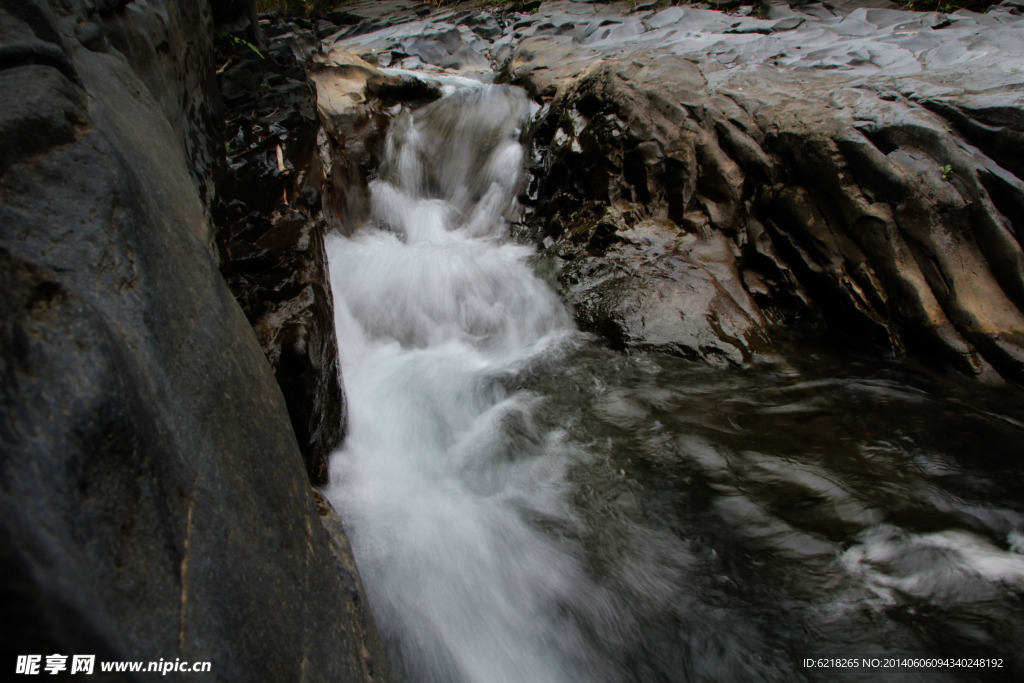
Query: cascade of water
{"type": "Point", "coordinates": [440, 470]}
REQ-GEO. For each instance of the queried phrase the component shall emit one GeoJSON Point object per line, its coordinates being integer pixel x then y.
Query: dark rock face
{"type": "Point", "coordinates": [848, 209]}
{"type": "Point", "coordinates": [271, 231]}
{"type": "Point", "coordinates": [153, 499]}
{"type": "Point", "coordinates": [286, 181]}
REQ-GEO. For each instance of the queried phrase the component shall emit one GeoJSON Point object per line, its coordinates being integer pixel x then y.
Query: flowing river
{"type": "Point", "coordinates": [527, 506]}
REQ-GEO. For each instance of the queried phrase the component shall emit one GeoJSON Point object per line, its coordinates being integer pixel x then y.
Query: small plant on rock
{"type": "Point", "coordinates": [242, 42]}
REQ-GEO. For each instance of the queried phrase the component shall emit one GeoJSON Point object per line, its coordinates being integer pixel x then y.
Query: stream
{"type": "Point", "coordinates": [527, 505]}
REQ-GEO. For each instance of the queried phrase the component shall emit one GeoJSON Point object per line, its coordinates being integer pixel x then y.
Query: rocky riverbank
{"type": "Point", "coordinates": [709, 183]}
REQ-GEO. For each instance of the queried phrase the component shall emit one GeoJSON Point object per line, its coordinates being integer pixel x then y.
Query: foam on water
{"type": "Point", "coordinates": [433, 309]}
{"type": "Point", "coordinates": [941, 567]}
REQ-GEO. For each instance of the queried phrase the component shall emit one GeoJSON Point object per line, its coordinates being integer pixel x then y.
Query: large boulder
{"type": "Point", "coordinates": [153, 498]}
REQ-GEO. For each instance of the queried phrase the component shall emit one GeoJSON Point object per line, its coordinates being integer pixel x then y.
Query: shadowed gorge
{"type": "Point", "coordinates": [625, 341]}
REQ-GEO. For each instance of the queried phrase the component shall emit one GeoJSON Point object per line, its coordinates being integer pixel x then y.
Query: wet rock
{"type": "Point", "coordinates": [849, 204]}
{"type": "Point", "coordinates": [152, 494]}
{"type": "Point", "coordinates": [270, 232]}
{"type": "Point", "coordinates": [356, 102]}
{"type": "Point", "coordinates": [644, 285]}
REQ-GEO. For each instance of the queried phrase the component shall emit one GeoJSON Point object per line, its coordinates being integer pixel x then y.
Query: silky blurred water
{"type": "Point", "coordinates": [525, 505]}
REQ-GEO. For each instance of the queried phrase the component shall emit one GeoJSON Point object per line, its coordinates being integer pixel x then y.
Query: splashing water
{"type": "Point", "coordinates": [434, 311]}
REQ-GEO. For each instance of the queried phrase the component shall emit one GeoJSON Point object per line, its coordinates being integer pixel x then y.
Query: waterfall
{"type": "Point", "coordinates": [444, 474]}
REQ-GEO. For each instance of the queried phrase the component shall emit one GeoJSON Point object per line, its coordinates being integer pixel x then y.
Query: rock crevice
{"type": "Point", "coordinates": [270, 226]}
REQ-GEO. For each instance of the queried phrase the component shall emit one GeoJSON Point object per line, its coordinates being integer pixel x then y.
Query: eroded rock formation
{"type": "Point", "coordinates": [271, 226]}
{"type": "Point", "coordinates": [153, 497]}
{"type": "Point", "coordinates": [698, 205]}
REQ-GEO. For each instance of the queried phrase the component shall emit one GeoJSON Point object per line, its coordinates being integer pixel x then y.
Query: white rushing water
{"type": "Point", "coordinates": [435, 311]}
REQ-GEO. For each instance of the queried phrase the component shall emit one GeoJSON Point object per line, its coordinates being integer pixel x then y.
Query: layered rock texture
{"type": "Point", "coordinates": [356, 103]}
{"type": "Point", "coordinates": [153, 496]}
{"type": "Point", "coordinates": [270, 230]}
{"type": "Point", "coordinates": [707, 182]}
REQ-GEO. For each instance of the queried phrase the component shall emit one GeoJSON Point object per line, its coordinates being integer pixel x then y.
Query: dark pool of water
{"type": "Point", "coordinates": [736, 522]}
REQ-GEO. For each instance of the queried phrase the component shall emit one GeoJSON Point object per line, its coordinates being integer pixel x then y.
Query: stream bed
{"type": "Point", "coordinates": [527, 505]}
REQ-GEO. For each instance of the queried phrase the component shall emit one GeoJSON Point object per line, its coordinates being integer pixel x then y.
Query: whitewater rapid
{"type": "Point", "coordinates": [436, 312]}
